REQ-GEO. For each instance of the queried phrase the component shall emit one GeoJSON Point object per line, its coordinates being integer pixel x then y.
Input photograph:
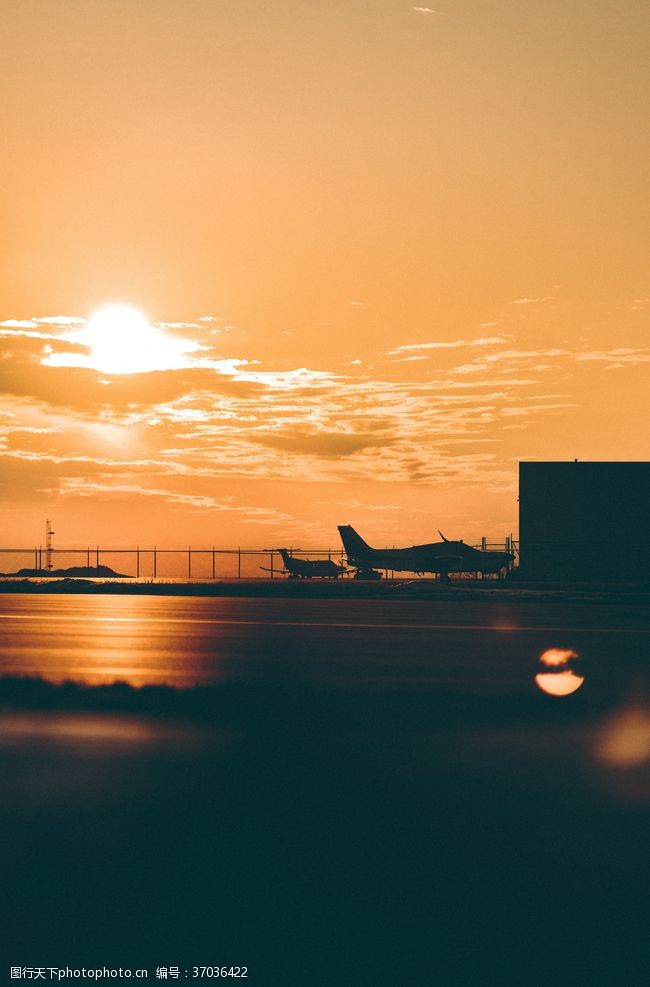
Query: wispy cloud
{"type": "Point", "coordinates": [46, 320]}
{"type": "Point", "coordinates": [251, 514]}
{"type": "Point", "coordinates": [178, 325]}
{"type": "Point", "coordinates": [616, 357]}
{"type": "Point", "coordinates": [61, 320]}
{"type": "Point", "coordinates": [357, 505]}
{"type": "Point", "coordinates": [622, 356]}
{"type": "Point", "coordinates": [28, 429]}
{"type": "Point", "coordinates": [283, 380]}
{"type": "Point", "coordinates": [450, 345]}
{"type": "Point", "coordinates": [24, 330]}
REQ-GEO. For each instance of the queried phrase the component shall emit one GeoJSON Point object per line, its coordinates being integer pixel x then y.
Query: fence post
{"type": "Point", "coordinates": [155, 569]}
{"type": "Point", "coordinates": [213, 567]}
{"type": "Point", "coordinates": [137, 562]}
{"type": "Point", "coordinates": [239, 562]}
{"type": "Point", "coordinates": [189, 562]}
{"type": "Point", "coordinates": [97, 557]}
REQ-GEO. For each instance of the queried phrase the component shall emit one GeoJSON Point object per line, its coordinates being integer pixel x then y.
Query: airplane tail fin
{"type": "Point", "coordinates": [285, 557]}
{"type": "Point", "coordinates": [353, 543]}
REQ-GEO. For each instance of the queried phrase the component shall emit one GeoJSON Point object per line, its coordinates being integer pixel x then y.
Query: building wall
{"type": "Point", "coordinates": [584, 521]}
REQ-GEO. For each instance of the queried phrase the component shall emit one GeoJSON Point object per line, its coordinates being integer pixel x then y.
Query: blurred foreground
{"type": "Point", "coordinates": [418, 818]}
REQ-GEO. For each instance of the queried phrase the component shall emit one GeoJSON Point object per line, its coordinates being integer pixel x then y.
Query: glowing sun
{"type": "Point", "coordinates": [121, 341]}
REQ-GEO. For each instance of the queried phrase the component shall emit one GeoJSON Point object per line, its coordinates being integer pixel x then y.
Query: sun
{"type": "Point", "coordinates": [118, 339]}
{"type": "Point", "coordinates": [122, 341]}
{"type": "Point", "coordinates": [559, 683]}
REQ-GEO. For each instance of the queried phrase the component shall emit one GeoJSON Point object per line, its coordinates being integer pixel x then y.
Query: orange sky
{"type": "Point", "coordinates": [402, 248]}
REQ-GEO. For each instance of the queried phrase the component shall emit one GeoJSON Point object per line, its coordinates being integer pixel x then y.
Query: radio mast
{"type": "Point", "coordinates": [48, 545]}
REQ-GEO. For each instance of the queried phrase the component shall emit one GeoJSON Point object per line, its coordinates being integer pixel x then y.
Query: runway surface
{"type": "Point", "coordinates": [185, 641]}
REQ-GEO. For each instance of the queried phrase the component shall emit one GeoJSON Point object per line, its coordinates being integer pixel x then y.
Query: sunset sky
{"type": "Point", "coordinates": [367, 256]}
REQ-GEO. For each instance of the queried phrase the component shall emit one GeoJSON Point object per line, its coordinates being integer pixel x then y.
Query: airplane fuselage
{"type": "Point", "coordinates": [306, 568]}
{"type": "Point", "coordinates": [438, 557]}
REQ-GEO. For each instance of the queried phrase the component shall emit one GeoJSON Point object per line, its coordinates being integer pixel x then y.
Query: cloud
{"type": "Point", "coordinates": [214, 417]}
{"type": "Point", "coordinates": [29, 429]}
{"type": "Point", "coordinates": [424, 10]}
{"type": "Point", "coordinates": [178, 325]}
{"type": "Point", "coordinates": [61, 320]}
{"type": "Point", "coordinates": [489, 340]}
{"type": "Point", "coordinates": [88, 487]}
{"type": "Point", "coordinates": [357, 505]}
{"type": "Point", "coordinates": [617, 357]}
{"type": "Point", "coordinates": [24, 331]}
{"type": "Point", "coordinates": [287, 379]}
{"type": "Point", "coordinates": [532, 301]}
{"type": "Point", "coordinates": [450, 345]}
{"type": "Point", "coordinates": [56, 321]}
{"type": "Point", "coordinates": [339, 430]}
{"type": "Point", "coordinates": [61, 459]}
{"type": "Point", "coordinates": [318, 442]}
{"type": "Point", "coordinates": [529, 409]}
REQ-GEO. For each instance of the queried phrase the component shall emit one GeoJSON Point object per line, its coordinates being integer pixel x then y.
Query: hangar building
{"type": "Point", "coordinates": [584, 521]}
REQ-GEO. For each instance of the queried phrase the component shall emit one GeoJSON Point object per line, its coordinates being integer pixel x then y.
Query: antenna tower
{"type": "Point", "coordinates": [48, 545]}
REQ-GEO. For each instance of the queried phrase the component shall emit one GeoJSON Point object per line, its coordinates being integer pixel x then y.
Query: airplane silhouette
{"type": "Point", "coordinates": [305, 569]}
{"type": "Point", "coordinates": [440, 557]}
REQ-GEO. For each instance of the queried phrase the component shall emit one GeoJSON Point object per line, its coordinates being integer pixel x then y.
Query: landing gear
{"type": "Point", "coordinates": [367, 574]}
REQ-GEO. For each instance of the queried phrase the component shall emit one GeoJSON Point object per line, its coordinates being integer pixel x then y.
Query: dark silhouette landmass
{"type": "Point", "coordinates": [74, 572]}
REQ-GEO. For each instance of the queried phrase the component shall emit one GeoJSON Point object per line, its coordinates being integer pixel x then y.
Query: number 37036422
{"type": "Point", "coordinates": [237, 972]}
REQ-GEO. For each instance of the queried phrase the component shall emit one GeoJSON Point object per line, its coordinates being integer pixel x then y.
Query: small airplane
{"type": "Point", "coordinates": [442, 557]}
{"type": "Point", "coordinates": [305, 569]}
